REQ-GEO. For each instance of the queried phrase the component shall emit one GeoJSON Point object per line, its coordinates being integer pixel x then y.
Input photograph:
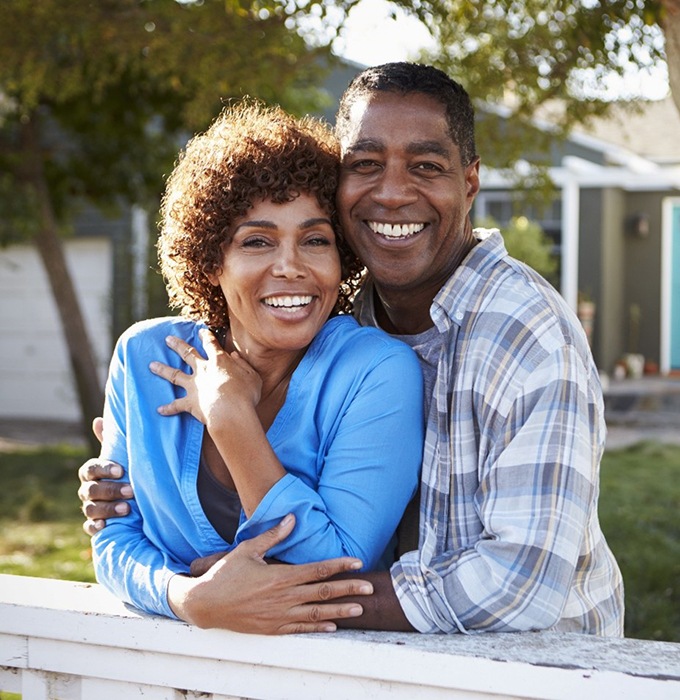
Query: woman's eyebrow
{"type": "Point", "coordinates": [257, 223]}
{"type": "Point", "coordinates": [315, 221]}
{"type": "Point", "coordinates": [265, 223]}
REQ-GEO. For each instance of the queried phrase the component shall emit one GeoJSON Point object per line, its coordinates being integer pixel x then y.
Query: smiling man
{"type": "Point", "coordinates": [508, 536]}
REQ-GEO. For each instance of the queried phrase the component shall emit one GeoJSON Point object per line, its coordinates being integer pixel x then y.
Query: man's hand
{"type": "Point", "coordinates": [241, 592]}
{"type": "Point", "coordinates": [101, 499]}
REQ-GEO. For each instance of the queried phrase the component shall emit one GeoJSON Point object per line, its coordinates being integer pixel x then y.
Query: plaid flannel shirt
{"type": "Point", "coordinates": [509, 536]}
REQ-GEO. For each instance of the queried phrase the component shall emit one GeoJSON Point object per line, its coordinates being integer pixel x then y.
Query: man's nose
{"type": "Point", "coordinates": [395, 188]}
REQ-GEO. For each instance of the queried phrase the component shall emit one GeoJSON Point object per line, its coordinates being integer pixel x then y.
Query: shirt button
{"type": "Point", "coordinates": [459, 315]}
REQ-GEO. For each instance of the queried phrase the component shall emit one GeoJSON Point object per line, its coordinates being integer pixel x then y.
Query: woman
{"type": "Point", "coordinates": [294, 408]}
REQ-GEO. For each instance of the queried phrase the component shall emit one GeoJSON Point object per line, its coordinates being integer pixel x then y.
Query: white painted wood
{"type": "Point", "coordinates": [77, 630]}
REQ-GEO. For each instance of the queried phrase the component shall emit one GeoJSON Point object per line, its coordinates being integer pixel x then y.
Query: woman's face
{"type": "Point", "coordinates": [280, 274]}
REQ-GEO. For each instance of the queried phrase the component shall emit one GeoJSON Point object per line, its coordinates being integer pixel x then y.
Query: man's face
{"type": "Point", "coordinates": [404, 195]}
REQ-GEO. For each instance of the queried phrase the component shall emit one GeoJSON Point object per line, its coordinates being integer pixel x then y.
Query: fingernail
{"type": "Point", "coordinates": [153, 366]}
{"type": "Point", "coordinates": [366, 589]}
{"type": "Point", "coordinates": [328, 628]}
{"type": "Point", "coordinates": [121, 508]}
{"type": "Point", "coordinates": [126, 491]}
{"type": "Point", "coordinates": [287, 519]}
{"type": "Point", "coordinates": [355, 611]}
{"type": "Point", "coordinates": [117, 471]}
{"type": "Point", "coordinates": [98, 524]}
{"type": "Point", "coordinates": [356, 565]}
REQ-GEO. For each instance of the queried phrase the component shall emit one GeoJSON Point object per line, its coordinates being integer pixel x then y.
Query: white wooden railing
{"type": "Point", "coordinates": [73, 641]}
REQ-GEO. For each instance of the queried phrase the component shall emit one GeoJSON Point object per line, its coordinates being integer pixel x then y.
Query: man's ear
{"type": "Point", "coordinates": [472, 179]}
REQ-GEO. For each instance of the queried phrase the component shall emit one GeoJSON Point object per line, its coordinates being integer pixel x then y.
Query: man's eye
{"type": "Point", "coordinates": [363, 165]}
{"type": "Point", "coordinates": [429, 167]}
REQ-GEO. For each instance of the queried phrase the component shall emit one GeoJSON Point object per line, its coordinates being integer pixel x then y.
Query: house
{"type": "Point", "coordinates": [615, 223]}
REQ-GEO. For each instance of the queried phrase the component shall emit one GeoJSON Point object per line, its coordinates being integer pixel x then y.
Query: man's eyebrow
{"type": "Point", "coordinates": [420, 148]}
{"type": "Point", "coordinates": [365, 145]}
{"type": "Point", "coordinates": [417, 148]}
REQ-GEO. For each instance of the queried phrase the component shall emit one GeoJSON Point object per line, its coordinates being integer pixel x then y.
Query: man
{"type": "Point", "coordinates": [509, 538]}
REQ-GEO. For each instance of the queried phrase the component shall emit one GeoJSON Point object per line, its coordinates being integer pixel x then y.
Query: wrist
{"type": "Point", "coordinates": [181, 598]}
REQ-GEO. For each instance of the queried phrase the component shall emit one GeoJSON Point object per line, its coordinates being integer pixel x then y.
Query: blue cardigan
{"type": "Point", "coordinates": [349, 435]}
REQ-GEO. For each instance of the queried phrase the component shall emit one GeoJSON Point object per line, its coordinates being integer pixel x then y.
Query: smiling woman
{"type": "Point", "coordinates": [266, 398]}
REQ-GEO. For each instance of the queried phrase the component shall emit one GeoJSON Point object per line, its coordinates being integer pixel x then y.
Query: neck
{"type": "Point", "coordinates": [407, 311]}
{"type": "Point", "coordinates": [274, 367]}
{"type": "Point", "coordinates": [401, 314]}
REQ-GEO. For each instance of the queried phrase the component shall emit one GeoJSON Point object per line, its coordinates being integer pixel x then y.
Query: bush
{"type": "Point", "coordinates": [526, 241]}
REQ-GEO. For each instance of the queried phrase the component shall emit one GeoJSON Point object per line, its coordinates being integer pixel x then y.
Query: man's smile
{"type": "Point", "coordinates": [395, 230]}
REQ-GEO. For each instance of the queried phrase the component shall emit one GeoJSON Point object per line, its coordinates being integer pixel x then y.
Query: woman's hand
{"type": "Point", "coordinates": [219, 385]}
{"type": "Point", "coordinates": [241, 592]}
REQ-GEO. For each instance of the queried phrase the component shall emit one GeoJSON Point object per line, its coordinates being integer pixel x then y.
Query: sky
{"type": "Point", "coordinates": [371, 37]}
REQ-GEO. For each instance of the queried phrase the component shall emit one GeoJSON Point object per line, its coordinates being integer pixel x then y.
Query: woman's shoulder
{"type": "Point", "coordinates": [156, 329]}
{"type": "Point", "coordinates": [343, 335]}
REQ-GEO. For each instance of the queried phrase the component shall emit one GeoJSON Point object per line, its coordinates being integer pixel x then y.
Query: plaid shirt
{"type": "Point", "coordinates": [509, 536]}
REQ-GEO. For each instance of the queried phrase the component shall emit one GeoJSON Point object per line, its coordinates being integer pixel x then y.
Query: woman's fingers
{"type": "Point", "coordinates": [173, 374]}
{"type": "Point", "coordinates": [187, 352]}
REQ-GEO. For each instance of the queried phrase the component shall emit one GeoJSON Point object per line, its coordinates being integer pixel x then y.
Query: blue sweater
{"type": "Point", "coordinates": [349, 435]}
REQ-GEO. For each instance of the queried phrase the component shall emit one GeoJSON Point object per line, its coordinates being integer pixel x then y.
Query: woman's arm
{"type": "Point", "coordinates": [241, 592]}
{"type": "Point", "coordinates": [370, 468]}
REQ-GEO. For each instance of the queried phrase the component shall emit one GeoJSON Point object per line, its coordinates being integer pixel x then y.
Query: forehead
{"type": "Point", "coordinates": [388, 120]}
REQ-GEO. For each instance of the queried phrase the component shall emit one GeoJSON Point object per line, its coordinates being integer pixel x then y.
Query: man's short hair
{"type": "Point", "coordinates": [405, 78]}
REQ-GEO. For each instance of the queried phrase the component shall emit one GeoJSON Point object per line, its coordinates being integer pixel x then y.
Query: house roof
{"type": "Point", "coordinates": [649, 129]}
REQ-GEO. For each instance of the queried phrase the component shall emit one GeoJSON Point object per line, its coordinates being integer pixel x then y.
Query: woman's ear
{"type": "Point", "coordinates": [214, 277]}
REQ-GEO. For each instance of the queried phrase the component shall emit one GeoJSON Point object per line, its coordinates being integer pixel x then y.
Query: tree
{"type": "Point", "coordinates": [530, 55]}
{"type": "Point", "coordinates": [94, 99]}
{"type": "Point", "coordinates": [671, 28]}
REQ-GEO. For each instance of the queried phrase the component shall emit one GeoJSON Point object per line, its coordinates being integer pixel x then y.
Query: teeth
{"type": "Point", "coordinates": [395, 230]}
{"type": "Point", "coordinates": [289, 303]}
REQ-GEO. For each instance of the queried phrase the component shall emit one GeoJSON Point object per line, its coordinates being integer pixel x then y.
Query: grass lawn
{"type": "Point", "coordinates": [40, 533]}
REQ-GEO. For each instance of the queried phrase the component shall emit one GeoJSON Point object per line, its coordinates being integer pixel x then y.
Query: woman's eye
{"type": "Point", "coordinates": [254, 242]}
{"type": "Point", "coordinates": [318, 241]}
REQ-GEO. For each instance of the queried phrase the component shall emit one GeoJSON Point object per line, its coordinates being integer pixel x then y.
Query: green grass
{"type": "Point", "coordinates": [40, 519]}
{"type": "Point", "coordinates": [40, 526]}
{"type": "Point", "coordinates": [640, 516]}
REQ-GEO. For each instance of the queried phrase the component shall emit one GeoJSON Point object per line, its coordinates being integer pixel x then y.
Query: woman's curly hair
{"type": "Point", "coordinates": [250, 152]}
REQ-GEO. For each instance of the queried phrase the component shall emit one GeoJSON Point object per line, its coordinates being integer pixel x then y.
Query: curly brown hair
{"type": "Point", "coordinates": [250, 152]}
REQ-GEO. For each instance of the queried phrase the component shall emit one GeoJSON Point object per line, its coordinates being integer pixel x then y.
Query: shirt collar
{"type": "Point", "coordinates": [459, 292]}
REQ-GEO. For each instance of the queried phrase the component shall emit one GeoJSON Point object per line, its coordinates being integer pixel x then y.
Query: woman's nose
{"type": "Point", "coordinates": [289, 263]}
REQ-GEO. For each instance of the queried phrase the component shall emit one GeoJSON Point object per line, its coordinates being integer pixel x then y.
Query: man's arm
{"type": "Point", "coordinates": [376, 604]}
{"type": "Point", "coordinates": [381, 609]}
